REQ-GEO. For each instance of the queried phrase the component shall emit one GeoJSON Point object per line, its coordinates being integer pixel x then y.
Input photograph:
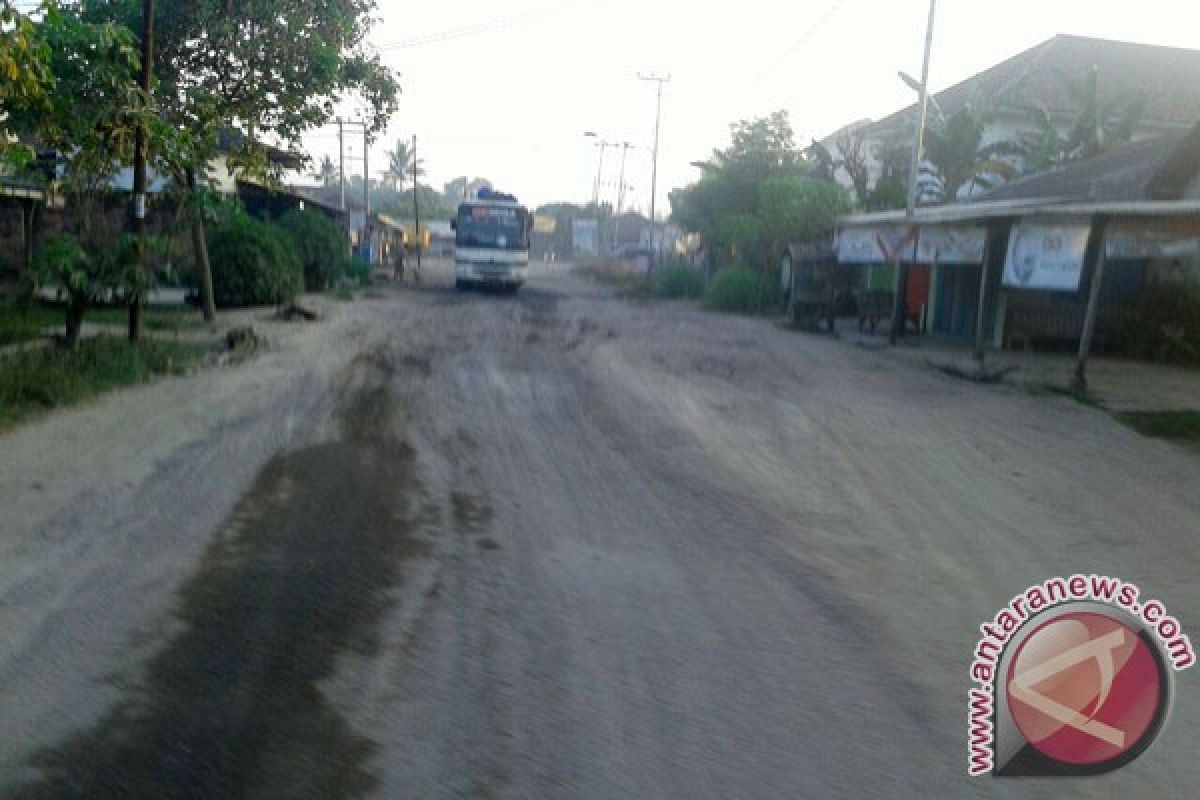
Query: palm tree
{"type": "Point", "coordinates": [400, 165]}
{"type": "Point", "coordinates": [956, 156]}
{"type": "Point", "coordinates": [1098, 126]}
{"type": "Point", "coordinates": [327, 173]}
{"type": "Point", "coordinates": [1101, 125]}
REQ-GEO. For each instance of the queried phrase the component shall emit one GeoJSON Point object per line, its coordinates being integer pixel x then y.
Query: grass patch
{"type": "Point", "coordinates": [1179, 425]}
{"type": "Point", "coordinates": [739, 290]}
{"type": "Point", "coordinates": [36, 381]}
{"type": "Point", "coordinates": [677, 282]}
{"type": "Point", "coordinates": [24, 323]}
{"type": "Point", "coordinates": [617, 274]}
{"type": "Point", "coordinates": [344, 293]}
{"type": "Point", "coordinates": [157, 319]}
{"type": "Point", "coordinates": [1086, 399]}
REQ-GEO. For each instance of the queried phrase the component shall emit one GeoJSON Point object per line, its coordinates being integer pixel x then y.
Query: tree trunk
{"type": "Point", "coordinates": [135, 317]}
{"type": "Point", "coordinates": [76, 306]}
{"type": "Point", "coordinates": [30, 218]}
{"type": "Point", "coordinates": [200, 247]}
{"type": "Point", "coordinates": [27, 239]}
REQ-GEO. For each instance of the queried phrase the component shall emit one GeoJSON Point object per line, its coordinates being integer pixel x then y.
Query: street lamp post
{"type": "Point", "coordinates": [898, 301]}
{"type": "Point", "coordinates": [602, 144]}
{"type": "Point", "coordinates": [660, 80]}
{"type": "Point", "coordinates": [625, 148]}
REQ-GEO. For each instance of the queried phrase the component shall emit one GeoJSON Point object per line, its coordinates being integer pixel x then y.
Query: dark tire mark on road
{"type": "Point", "coordinates": [231, 708]}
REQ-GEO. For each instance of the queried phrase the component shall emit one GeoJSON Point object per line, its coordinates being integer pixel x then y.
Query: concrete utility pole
{"type": "Point", "coordinates": [416, 207]}
{"type": "Point", "coordinates": [901, 282]}
{"type": "Point", "coordinates": [602, 144]}
{"type": "Point", "coordinates": [660, 80]}
{"type": "Point", "coordinates": [1079, 382]}
{"type": "Point", "coordinates": [342, 163]}
{"type": "Point", "coordinates": [625, 148]}
{"type": "Point", "coordinates": [139, 168]}
{"type": "Point", "coordinates": [366, 192]}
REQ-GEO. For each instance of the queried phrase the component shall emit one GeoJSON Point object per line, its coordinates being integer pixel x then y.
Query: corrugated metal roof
{"type": "Point", "coordinates": [1169, 78]}
{"type": "Point", "coordinates": [1045, 207]}
{"type": "Point", "coordinates": [1148, 170]}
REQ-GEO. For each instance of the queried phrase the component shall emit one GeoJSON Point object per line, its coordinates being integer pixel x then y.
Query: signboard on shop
{"type": "Point", "coordinates": [1046, 257]}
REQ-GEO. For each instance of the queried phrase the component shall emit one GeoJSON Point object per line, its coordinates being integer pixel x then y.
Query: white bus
{"type": "Point", "coordinates": [491, 242]}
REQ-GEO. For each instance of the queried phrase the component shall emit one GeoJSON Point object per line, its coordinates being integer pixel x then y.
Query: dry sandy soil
{"type": "Point", "coordinates": [554, 545]}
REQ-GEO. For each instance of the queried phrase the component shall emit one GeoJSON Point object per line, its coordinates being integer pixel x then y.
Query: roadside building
{"type": "Point", "coordinates": [441, 237]}
{"type": "Point", "coordinates": [34, 205]}
{"type": "Point", "coordinates": [1165, 79]}
{"type": "Point", "coordinates": [1023, 265]}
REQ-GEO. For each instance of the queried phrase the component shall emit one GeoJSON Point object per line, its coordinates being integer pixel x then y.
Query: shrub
{"type": "Point", "coordinates": [253, 263]}
{"type": "Point", "coordinates": [36, 380]}
{"type": "Point", "coordinates": [1164, 326]}
{"type": "Point", "coordinates": [678, 281]}
{"type": "Point", "coordinates": [358, 272]}
{"type": "Point", "coordinates": [742, 291]}
{"type": "Point", "coordinates": [322, 245]}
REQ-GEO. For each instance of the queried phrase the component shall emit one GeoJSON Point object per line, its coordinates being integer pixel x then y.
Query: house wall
{"type": "Point", "coordinates": [1006, 126]}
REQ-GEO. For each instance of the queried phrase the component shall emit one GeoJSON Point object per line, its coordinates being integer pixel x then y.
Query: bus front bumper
{"type": "Point", "coordinates": [497, 274]}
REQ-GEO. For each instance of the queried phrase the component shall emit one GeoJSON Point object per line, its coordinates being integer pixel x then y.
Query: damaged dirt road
{"type": "Point", "coordinates": [554, 545]}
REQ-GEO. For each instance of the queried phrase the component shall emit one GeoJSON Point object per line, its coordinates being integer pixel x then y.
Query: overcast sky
{"type": "Point", "coordinates": [505, 90]}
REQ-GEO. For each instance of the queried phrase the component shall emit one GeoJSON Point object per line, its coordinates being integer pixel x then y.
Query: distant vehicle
{"type": "Point", "coordinates": [491, 242]}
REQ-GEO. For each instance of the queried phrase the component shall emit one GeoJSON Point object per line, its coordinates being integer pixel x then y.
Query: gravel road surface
{"type": "Point", "coordinates": [554, 545]}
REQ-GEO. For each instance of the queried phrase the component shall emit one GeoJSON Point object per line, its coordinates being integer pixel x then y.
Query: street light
{"type": "Point", "coordinates": [602, 144]}
{"type": "Point", "coordinates": [625, 148]}
{"type": "Point", "coordinates": [910, 212]}
{"type": "Point", "coordinates": [660, 80]}
{"type": "Point", "coordinates": [915, 85]}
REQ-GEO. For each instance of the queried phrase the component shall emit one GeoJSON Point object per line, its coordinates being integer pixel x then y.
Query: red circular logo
{"type": "Point", "coordinates": [1084, 688]}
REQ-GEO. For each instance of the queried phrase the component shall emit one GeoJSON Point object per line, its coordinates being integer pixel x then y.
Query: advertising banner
{"type": "Point", "coordinates": [1046, 257]}
{"type": "Point", "coordinates": [876, 244]}
{"type": "Point", "coordinates": [951, 244]}
{"type": "Point", "coordinates": [585, 237]}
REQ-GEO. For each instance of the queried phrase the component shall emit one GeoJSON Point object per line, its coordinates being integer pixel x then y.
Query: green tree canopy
{"type": "Point", "coordinates": [956, 156]}
{"type": "Point", "coordinates": [400, 165]}
{"type": "Point", "coordinates": [758, 194]}
{"type": "Point", "coordinates": [1099, 125]}
{"type": "Point", "coordinates": [26, 77]}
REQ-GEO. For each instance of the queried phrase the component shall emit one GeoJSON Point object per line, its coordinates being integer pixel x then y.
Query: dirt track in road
{"type": "Point", "coordinates": [561, 545]}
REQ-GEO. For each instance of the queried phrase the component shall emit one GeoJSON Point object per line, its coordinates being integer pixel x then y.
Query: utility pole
{"type": "Point", "coordinates": [139, 168]}
{"type": "Point", "coordinates": [416, 207]}
{"type": "Point", "coordinates": [625, 147]}
{"type": "Point", "coordinates": [602, 144]}
{"type": "Point", "coordinates": [660, 80]}
{"type": "Point", "coordinates": [899, 301]}
{"type": "Point", "coordinates": [342, 163]}
{"type": "Point", "coordinates": [366, 192]}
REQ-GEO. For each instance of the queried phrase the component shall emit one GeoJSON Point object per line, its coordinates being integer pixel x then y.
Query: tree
{"type": "Point", "coordinates": [852, 156]}
{"type": "Point", "coordinates": [759, 193]}
{"type": "Point", "coordinates": [25, 76]}
{"type": "Point", "coordinates": [759, 149]}
{"type": "Point", "coordinates": [400, 165]}
{"type": "Point", "coordinates": [272, 66]}
{"type": "Point", "coordinates": [956, 157]}
{"type": "Point", "coordinates": [1099, 125]}
{"type": "Point", "coordinates": [821, 162]}
{"type": "Point", "coordinates": [91, 118]}
{"type": "Point", "coordinates": [891, 189]}
{"type": "Point", "coordinates": [800, 209]}
{"type": "Point", "coordinates": [327, 173]}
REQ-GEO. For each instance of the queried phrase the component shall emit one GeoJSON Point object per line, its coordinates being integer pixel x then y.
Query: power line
{"type": "Point", "coordinates": [475, 29]}
{"type": "Point", "coordinates": [804, 37]}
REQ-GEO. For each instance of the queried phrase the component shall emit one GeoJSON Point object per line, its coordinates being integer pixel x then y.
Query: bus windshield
{"type": "Point", "coordinates": [500, 227]}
